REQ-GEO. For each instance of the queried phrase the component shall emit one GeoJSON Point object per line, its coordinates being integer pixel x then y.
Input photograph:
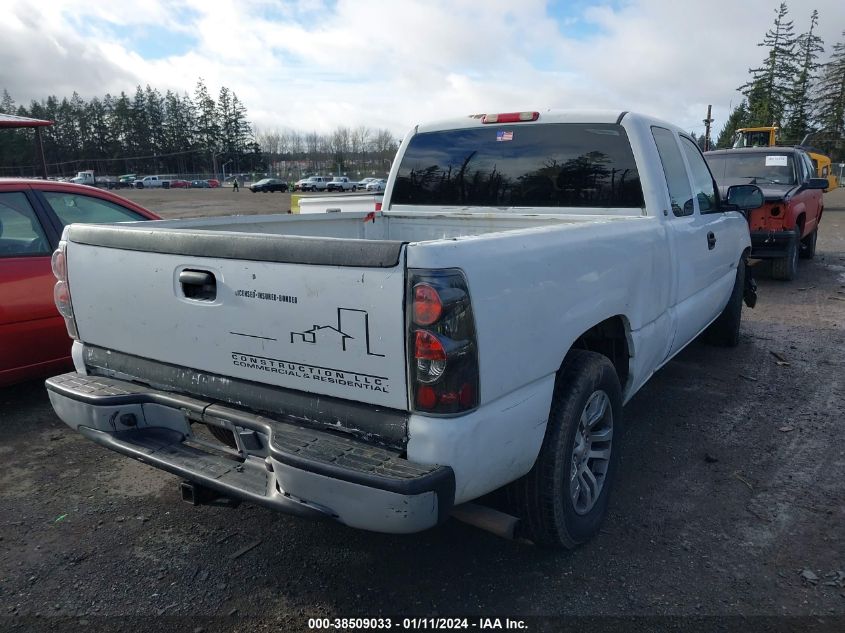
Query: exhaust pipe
{"type": "Point", "coordinates": [487, 519]}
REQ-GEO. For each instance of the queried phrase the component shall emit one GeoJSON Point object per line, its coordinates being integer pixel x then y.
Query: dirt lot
{"type": "Point", "coordinates": [729, 509]}
{"type": "Point", "coordinates": [190, 203]}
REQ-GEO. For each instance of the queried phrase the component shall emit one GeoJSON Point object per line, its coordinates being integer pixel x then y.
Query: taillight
{"type": "Point", "coordinates": [510, 117]}
{"type": "Point", "coordinates": [443, 357]}
{"type": "Point", "coordinates": [61, 292]}
{"type": "Point", "coordinates": [378, 206]}
{"type": "Point", "coordinates": [427, 304]}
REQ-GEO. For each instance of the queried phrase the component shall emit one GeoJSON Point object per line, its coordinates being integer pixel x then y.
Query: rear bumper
{"type": "Point", "coordinates": [276, 464]}
{"type": "Point", "coordinates": [770, 244]}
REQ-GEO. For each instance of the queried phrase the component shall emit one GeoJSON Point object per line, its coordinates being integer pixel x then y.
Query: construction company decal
{"type": "Point", "coordinates": [340, 377]}
{"type": "Point", "coordinates": [350, 333]}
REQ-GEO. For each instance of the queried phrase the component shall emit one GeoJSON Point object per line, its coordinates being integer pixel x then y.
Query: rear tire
{"type": "Point", "coordinates": [785, 268]}
{"type": "Point", "coordinates": [808, 245]}
{"type": "Point", "coordinates": [724, 331]}
{"type": "Point", "coordinates": [563, 499]}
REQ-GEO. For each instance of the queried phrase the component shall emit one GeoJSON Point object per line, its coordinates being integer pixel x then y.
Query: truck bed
{"type": "Point", "coordinates": [392, 226]}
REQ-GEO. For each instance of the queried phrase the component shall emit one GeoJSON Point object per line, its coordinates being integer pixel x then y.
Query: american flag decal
{"type": "Point", "coordinates": [504, 135]}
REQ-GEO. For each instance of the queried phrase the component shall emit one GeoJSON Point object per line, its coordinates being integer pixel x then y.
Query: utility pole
{"type": "Point", "coordinates": [707, 123]}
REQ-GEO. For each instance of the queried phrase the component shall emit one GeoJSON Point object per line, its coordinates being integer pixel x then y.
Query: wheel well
{"type": "Point", "coordinates": [799, 222]}
{"type": "Point", "coordinates": [609, 338]}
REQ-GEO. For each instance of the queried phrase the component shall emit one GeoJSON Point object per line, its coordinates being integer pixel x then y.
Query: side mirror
{"type": "Point", "coordinates": [744, 198]}
{"type": "Point", "coordinates": [817, 183]}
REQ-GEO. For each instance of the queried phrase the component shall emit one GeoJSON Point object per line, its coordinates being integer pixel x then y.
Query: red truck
{"type": "Point", "coordinates": [786, 227]}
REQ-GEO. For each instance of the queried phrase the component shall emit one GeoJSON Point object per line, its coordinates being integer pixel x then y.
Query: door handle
{"type": "Point", "coordinates": [198, 284]}
{"type": "Point", "coordinates": [711, 240]}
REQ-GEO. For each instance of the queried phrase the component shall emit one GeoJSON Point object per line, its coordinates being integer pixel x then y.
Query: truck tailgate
{"type": "Point", "coordinates": [337, 330]}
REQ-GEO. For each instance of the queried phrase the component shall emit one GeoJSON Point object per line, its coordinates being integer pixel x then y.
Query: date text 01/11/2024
{"type": "Point", "coordinates": [417, 624]}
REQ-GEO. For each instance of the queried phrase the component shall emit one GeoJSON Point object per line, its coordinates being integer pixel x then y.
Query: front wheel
{"type": "Point", "coordinates": [724, 331]}
{"type": "Point", "coordinates": [563, 499]}
{"type": "Point", "coordinates": [785, 268]}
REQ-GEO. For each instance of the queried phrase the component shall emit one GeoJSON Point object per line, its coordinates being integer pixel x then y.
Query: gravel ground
{"type": "Point", "coordinates": [730, 504]}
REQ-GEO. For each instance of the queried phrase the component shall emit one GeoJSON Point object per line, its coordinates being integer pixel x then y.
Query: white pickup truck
{"type": "Point", "coordinates": [148, 182]}
{"type": "Point", "coordinates": [341, 183]}
{"type": "Point", "coordinates": [527, 274]}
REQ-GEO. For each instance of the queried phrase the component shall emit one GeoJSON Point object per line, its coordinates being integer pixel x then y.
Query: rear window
{"type": "Point", "coordinates": [549, 165]}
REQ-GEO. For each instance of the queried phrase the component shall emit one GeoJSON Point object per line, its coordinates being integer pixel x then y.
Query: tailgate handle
{"type": "Point", "coordinates": [198, 284]}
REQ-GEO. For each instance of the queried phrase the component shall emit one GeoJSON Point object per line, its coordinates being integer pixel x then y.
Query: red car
{"type": "Point", "coordinates": [33, 338]}
{"type": "Point", "coordinates": [179, 184]}
{"type": "Point", "coordinates": [213, 182]}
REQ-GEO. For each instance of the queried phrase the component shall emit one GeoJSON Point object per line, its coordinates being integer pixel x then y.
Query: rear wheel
{"type": "Point", "coordinates": [563, 499]}
{"type": "Point", "coordinates": [808, 245]}
{"type": "Point", "coordinates": [786, 268]}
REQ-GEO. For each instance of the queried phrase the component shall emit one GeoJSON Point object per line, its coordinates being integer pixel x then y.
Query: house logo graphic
{"type": "Point", "coordinates": [351, 334]}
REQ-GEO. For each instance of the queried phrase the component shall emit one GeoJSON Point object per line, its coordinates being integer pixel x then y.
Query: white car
{"type": "Point", "coordinates": [482, 328]}
{"type": "Point", "coordinates": [362, 184]}
{"type": "Point", "coordinates": [377, 185]}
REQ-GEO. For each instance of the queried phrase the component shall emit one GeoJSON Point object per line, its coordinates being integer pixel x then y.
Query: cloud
{"type": "Point", "coordinates": [313, 65]}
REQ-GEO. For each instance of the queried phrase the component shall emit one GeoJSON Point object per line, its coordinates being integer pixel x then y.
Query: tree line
{"type": "Point", "coordinates": [151, 133]}
{"type": "Point", "coordinates": [356, 152]}
{"type": "Point", "coordinates": [146, 133]}
{"type": "Point", "coordinates": [794, 90]}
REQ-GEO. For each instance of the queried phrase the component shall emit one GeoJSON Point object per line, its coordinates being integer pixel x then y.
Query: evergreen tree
{"type": "Point", "coordinates": [768, 90]}
{"type": "Point", "coordinates": [208, 128]}
{"type": "Point", "coordinates": [810, 47]}
{"type": "Point", "coordinates": [831, 103]}
{"type": "Point", "coordinates": [7, 104]}
{"type": "Point", "coordinates": [139, 143]}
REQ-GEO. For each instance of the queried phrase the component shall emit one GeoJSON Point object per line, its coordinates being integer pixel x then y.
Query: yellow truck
{"type": "Point", "coordinates": [767, 136]}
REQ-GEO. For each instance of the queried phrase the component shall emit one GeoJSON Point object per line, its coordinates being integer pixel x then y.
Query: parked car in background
{"type": "Point", "coordinates": [127, 181]}
{"type": "Point", "coordinates": [213, 183]}
{"type": "Point", "coordinates": [151, 182]}
{"type": "Point", "coordinates": [179, 184]}
{"type": "Point", "coordinates": [315, 183]}
{"type": "Point", "coordinates": [377, 185]}
{"type": "Point", "coordinates": [84, 178]}
{"type": "Point", "coordinates": [297, 186]}
{"type": "Point", "coordinates": [341, 183]}
{"type": "Point", "coordinates": [199, 184]}
{"type": "Point", "coordinates": [269, 185]}
{"type": "Point", "coordinates": [362, 184]}
{"type": "Point", "coordinates": [786, 227]}
{"type": "Point", "coordinates": [33, 338]}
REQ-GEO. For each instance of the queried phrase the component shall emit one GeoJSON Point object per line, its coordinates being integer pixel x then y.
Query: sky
{"type": "Point", "coordinates": [318, 64]}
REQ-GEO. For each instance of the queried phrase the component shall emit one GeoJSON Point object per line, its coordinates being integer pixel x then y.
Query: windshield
{"type": "Point", "coordinates": [758, 167]}
{"type": "Point", "coordinates": [550, 165]}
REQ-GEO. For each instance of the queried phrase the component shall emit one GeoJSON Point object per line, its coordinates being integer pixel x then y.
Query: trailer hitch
{"type": "Point", "coordinates": [198, 495]}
